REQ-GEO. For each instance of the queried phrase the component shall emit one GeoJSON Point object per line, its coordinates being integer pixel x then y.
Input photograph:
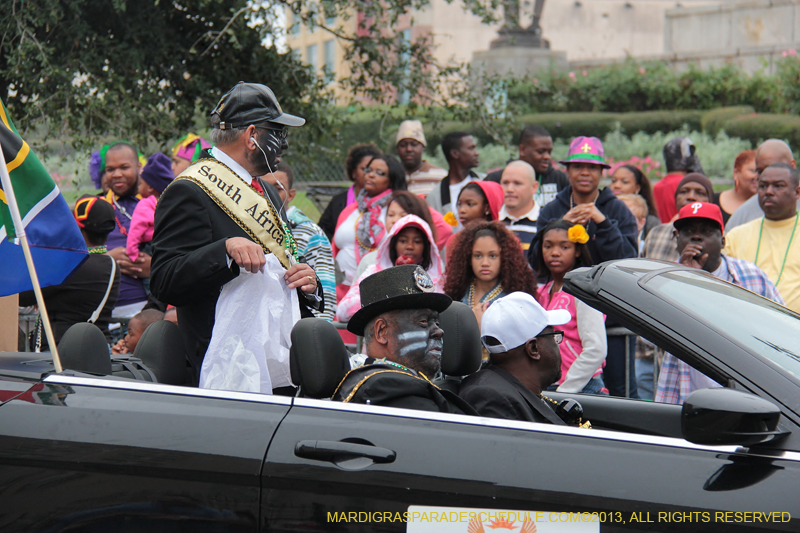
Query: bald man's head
{"type": "Point", "coordinates": [773, 151]}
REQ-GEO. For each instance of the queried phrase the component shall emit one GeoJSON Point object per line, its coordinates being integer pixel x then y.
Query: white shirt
{"type": "Point", "coordinates": [532, 215]}
{"type": "Point", "coordinates": [455, 190]}
{"type": "Point", "coordinates": [228, 161]}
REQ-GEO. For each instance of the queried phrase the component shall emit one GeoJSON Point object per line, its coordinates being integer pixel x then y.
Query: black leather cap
{"type": "Point", "coordinates": [400, 287]}
{"type": "Point", "coordinates": [252, 103]}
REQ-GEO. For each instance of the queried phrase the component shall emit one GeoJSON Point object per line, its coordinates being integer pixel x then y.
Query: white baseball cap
{"type": "Point", "coordinates": [515, 319]}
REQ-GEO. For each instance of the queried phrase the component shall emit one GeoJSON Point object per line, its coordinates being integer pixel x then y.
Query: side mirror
{"type": "Point", "coordinates": [727, 416]}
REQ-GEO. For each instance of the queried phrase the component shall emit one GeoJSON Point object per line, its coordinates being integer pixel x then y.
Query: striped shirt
{"type": "Point", "coordinates": [523, 227]}
{"type": "Point", "coordinates": [677, 379]}
{"type": "Point", "coordinates": [314, 248]}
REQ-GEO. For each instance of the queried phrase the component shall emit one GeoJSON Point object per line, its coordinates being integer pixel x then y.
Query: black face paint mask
{"type": "Point", "coordinates": [272, 143]}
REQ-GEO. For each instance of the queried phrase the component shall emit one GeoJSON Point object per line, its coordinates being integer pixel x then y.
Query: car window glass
{"type": "Point", "coordinates": [761, 325]}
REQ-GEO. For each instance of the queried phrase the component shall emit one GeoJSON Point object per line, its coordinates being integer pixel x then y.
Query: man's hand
{"type": "Point", "coordinates": [135, 269]}
{"type": "Point", "coordinates": [583, 213]}
{"type": "Point", "coordinates": [693, 256]}
{"type": "Point", "coordinates": [120, 347]}
{"type": "Point", "coordinates": [301, 275]}
{"type": "Point", "coordinates": [247, 254]}
{"type": "Point", "coordinates": [480, 308]}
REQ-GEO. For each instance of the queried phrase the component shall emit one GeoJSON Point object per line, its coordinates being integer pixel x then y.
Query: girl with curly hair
{"type": "Point", "coordinates": [486, 263]}
{"type": "Point", "coordinates": [561, 248]}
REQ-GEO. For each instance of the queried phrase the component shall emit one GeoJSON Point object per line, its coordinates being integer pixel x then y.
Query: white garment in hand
{"type": "Point", "coordinates": [249, 349]}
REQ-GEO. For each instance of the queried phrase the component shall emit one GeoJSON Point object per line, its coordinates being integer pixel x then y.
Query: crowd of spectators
{"type": "Point", "coordinates": [479, 238]}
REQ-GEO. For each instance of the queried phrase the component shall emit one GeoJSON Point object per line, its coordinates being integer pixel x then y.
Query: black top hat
{"type": "Point", "coordinates": [94, 214]}
{"type": "Point", "coordinates": [251, 103]}
{"type": "Point", "coordinates": [400, 287]}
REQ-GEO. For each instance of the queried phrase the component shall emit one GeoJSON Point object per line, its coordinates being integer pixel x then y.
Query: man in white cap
{"type": "Point", "coordinates": [525, 359]}
{"type": "Point", "coordinates": [421, 176]}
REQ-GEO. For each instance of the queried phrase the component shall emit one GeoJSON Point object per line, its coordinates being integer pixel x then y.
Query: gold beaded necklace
{"type": "Point", "coordinates": [487, 298]}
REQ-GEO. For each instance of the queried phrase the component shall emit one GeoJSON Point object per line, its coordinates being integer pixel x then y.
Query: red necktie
{"type": "Point", "coordinates": [257, 187]}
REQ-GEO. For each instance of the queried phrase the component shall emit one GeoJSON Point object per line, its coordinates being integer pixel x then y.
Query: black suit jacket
{"type": "Point", "coordinates": [495, 393]}
{"type": "Point", "coordinates": [331, 214]}
{"type": "Point", "coordinates": [382, 384]}
{"type": "Point", "coordinates": [190, 261]}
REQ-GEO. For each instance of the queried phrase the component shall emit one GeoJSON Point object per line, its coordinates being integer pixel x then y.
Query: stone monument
{"type": "Point", "coordinates": [518, 51]}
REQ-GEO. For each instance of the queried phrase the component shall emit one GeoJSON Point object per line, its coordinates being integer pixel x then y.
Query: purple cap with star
{"type": "Point", "coordinates": [586, 150]}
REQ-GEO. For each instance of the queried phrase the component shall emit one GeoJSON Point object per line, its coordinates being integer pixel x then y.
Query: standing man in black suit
{"type": "Point", "coordinates": [217, 217]}
{"type": "Point", "coordinates": [525, 360]}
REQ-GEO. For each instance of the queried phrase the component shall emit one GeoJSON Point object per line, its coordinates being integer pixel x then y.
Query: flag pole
{"type": "Point", "coordinates": [19, 229]}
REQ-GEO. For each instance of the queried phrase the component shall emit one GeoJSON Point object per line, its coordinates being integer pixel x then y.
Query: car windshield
{"type": "Point", "coordinates": [759, 324]}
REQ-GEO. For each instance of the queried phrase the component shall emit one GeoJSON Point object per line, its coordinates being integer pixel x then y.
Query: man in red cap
{"type": "Point", "coordinates": [699, 230]}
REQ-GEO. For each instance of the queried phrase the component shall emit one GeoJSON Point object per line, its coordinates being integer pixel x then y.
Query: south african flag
{"type": "Point", "coordinates": [57, 246]}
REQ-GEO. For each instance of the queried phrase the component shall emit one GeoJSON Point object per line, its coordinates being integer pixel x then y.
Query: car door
{"type": "Point", "coordinates": [344, 467]}
{"type": "Point", "coordinates": [94, 454]}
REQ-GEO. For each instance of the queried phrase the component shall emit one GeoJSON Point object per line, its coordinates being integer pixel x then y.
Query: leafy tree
{"type": "Point", "coordinates": [144, 69]}
{"type": "Point", "coordinates": [139, 69]}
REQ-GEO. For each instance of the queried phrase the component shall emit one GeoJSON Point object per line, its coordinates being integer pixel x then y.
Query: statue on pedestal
{"type": "Point", "coordinates": [512, 34]}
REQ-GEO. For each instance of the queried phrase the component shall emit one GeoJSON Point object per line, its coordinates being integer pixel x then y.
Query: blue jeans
{"type": "Point", "coordinates": [614, 371]}
{"type": "Point", "coordinates": [593, 386]}
{"type": "Point", "coordinates": [644, 378]}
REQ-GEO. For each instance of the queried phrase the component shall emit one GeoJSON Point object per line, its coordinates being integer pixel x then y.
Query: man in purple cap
{"type": "Point", "coordinates": [613, 234]}
{"type": "Point", "coordinates": [218, 219]}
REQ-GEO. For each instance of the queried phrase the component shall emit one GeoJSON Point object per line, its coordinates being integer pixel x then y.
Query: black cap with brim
{"type": "Point", "coordinates": [396, 288]}
{"type": "Point", "coordinates": [252, 103]}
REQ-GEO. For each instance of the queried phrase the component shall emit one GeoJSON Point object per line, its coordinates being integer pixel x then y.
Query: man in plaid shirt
{"type": "Point", "coordinates": [699, 230]}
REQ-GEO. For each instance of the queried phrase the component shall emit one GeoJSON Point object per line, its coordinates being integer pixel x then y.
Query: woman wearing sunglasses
{"type": "Point", "coordinates": [361, 225]}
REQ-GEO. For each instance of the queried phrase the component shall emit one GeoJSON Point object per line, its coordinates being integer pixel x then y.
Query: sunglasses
{"type": "Point", "coordinates": [280, 133]}
{"type": "Point", "coordinates": [557, 335]}
{"type": "Point", "coordinates": [379, 173]}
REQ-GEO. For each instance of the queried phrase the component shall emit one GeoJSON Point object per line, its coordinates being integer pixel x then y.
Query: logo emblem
{"type": "Point", "coordinates": [423, 280]}
{"type": "Point", "coordinates": [695, 207]}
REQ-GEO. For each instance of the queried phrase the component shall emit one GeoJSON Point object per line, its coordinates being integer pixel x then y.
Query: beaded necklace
{"type": "Point", "coordinates": [488, 298]}
{"type": "Point", "coordinates": [788, 246]}
{"type": "Point", "coordinates": [401, 367]}
{"type": "Point", "coordinates": [358, 241]}
{"type": "Point", "coordinates": [581, 423]}
{"type": "Point", "coordinates": [98, 249]}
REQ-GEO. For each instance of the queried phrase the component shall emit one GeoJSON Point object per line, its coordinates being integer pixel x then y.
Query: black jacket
{"type": "Point", "coordinates": [189, 265]}
{"type": "Point", "coordinates": [329, 217]}
{"type": "Point", "coordinates": [553, 175]}
{"type": "Point", "coordinates": [79, 296]}
{"type": "Point", "coordinates": [617, 237]}
{"type": "Point", "coordinates": [495, 393]}
{"type": "Point", "coordinates": [382, 384]}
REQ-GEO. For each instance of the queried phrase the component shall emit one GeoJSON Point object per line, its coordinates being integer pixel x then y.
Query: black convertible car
{"type": "Point", "coordinates": [99, 453]}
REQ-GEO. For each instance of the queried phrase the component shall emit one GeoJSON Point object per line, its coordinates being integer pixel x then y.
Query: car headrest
{"type": "Point", "coordinates": [461, 353]}
{"type": "Point", "coordinates": [318, 358]}
{"type": "Point", "coordinates": [161, 349]}
{"type": "Point", "coordinates": [83, 347]}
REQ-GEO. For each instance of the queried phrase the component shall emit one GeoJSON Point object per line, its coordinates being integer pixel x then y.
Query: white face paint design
{"type": "Point", "coordinates": [413, 341]}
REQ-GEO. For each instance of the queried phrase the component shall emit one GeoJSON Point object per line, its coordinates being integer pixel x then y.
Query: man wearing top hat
{"type": "Point", "coordinates": [216, 218]}
{"type": "Point", "coordinates": [399, 320]}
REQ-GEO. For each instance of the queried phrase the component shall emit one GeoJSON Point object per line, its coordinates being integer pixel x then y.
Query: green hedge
{"type": "Point", "coordinates": [758, 127]}
{"type": "Point", "coordinates": [736, 121]}
{"type": "Point", "coordinates": [714, 121]}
